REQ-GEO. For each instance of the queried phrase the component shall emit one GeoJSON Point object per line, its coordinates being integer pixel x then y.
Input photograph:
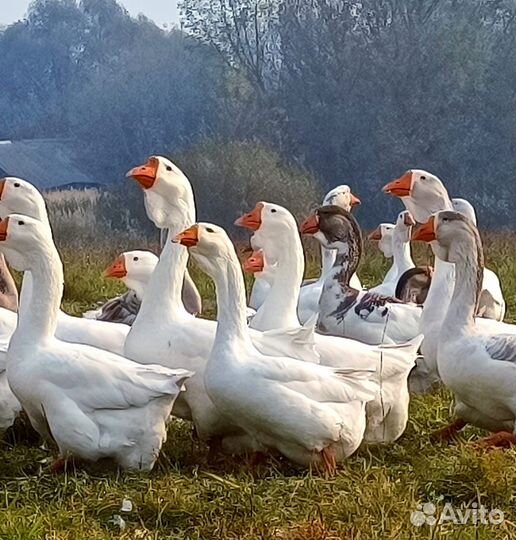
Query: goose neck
{"type": "Point", "coordinates": [279, 309]}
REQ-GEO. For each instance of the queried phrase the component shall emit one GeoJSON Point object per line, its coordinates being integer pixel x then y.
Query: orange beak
{"type": "Point", "coordinates": [355, 201]}
{"type": "Point", "coordinates": [254, 263]}
{"type": "Point", "coordinates": [400, 187]}
{"type": "Point", "coordinates": [189, 237]}
{"type": "Point", "coordinates": [408, 220]}
{"type": "Point", "coordinates": [2, 187]}
{"type": "Point", "coordinates": [3, 229]}
{"type": "Point", "coordinates": [425, 233]}
{"type": "Point", "coordinates": [310, 225]}
{"type": "Point", "coordinates": [117, 269]}
{"type": "Point", "coordinates": [376, 234]}
{"type": "Point", "coordinates": [145, 174]}
{"type": "Point", "coordinates": [252, 220]}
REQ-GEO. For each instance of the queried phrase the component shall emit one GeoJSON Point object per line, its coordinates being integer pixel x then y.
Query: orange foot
{"type": "Point", "coordinates": [256, 459]}
{"type": "Point", "coordinates": [329, 461]}
{"type": "Point", "coordinates": [502, 439]}
{"type": "Point", "coordinates": [448, 433]}
{"type": "Point", "coordinates": [58, 466]}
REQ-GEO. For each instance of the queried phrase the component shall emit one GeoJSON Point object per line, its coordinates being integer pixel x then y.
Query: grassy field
{"type": "Point", "coordinates": [373, 496]}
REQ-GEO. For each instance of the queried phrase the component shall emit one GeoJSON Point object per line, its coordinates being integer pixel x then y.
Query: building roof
{"type": "Point", "coordinates": [46, 163]}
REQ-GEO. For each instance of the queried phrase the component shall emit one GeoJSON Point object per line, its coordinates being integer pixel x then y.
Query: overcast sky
{"type": "Point", "coordinates": [160, 11]}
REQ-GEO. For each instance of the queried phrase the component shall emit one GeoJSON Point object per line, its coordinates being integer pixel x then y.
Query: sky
{"type": "Point", "coordinates": [160, 11]}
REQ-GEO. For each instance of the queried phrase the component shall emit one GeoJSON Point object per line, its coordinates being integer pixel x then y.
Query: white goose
{"type": "Point", "coordinates": [19, 196]}
{"type": "Point", "coordinates": [92, 403]}
{"type": "Point", "coordinates": [478, 367]}
{"type": "Point", "coordinates": [311, 414]}
{"type": "Point", "coordinates": [311, 291]}
{"type": "Point", "coordinates": [134, 269]}
{"type": "Point", "coordinates": [399, 250]}
{"type": "Point", "coordinates": [344, 311]}
{"type": "Point", "coordinates": [387, 415]}
{"type": "Point", "coordinates": [423, 194]}
{"type": "Point", "coordinates": [164, 332]}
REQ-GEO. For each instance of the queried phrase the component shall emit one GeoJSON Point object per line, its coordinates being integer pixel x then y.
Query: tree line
{"type": "Point", "coordinates": [277, 98]}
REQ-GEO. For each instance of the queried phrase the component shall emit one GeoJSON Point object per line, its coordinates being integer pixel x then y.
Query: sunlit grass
{"type": "Point", "coordinates": [372, 497]}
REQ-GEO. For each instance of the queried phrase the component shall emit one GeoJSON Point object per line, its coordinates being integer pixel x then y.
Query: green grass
{"type": "Point", "coordinates": [372, 496]}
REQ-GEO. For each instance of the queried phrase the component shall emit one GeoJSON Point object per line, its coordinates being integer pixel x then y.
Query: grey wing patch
{"type": "Point", "coordinates": [372, 301]}
{"type": "Point", "coordinates": [502, 347]}
{"type": "Point", "coordinates": [347, 301]}
{"type": "Point", "coordinates": [122, 309]}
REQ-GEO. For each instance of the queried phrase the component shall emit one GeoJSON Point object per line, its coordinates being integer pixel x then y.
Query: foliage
{"type": "Point", "coordinates": [355, 91]}
{"type": "Point", "coordinates": [229, 178]}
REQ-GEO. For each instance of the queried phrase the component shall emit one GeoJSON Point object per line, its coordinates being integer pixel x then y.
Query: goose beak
{"type": "Point", "coordinates": [2, 187]}
{"type": "Point", "coordinates": [3, 229]}
{"type": "Point", "coordinates": [254, 263]}
{"type": "Point", "coordinates": [252, 220]}
{"type": "Point", "coordinates": [189, 237]}
{"type": "Point", "coordinates": [376, 234]}
{"type": "Point", "coordinates": [425, 233]}
{"type": "Point", "coordinates": [310, 225]}
{"type": "Point", "coordinates": [408, 220]}
{"type": "Point", "coordinates": [354, 201]}
{"type": "Point", "coordinates": [145, 174]}
{"type": "Point", "coordinates": [401, 187]}
{"type": "Point", "coordinates": [117, 269]}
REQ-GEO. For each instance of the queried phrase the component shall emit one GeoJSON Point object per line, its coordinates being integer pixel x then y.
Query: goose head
{"type": "Point", "coordinates": [465, 208]}
{"type": "Point", "coordinates": [18, 196]}
{"type": "Point", "coordinates": [341, 196]}
{"type": "Point", "coordinates": [21, 239]}
{"type": "Point", "coordinates": [209, 245]}
{"type": "Point", "coordinates": [403, 228]}
{"type": "Point", "coordinates": [333, 227]}
{"type": "Point", "coordinates": [274, 228]}
{"type": "Point", "coordinates": [168, 194]}
{"type": "Point", "coordinates": [133, 268]}
{"type": "Point", "coordinates": [255, 263]}
{"type": "Point", "coordinates": [422, 193]}
{"type": "Point", "coordinates": [383, 235]}
{"type": "Point", "coordinates": [453, 236]}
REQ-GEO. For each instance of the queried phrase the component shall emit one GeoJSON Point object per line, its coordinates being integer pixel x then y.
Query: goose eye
{"type": "Point", "coordinates": [169, 168]}
{"type": "Point", "coordinates": [273, 210]}
{"type": "Point", "coordinates": [209, 229]}
{"type": "Point", "coordinates": [135, 258]}
{"type": "Point", "coordinates": [16, 184]}
{"type": "Point", "coordinates": [423, 177]}
{"type": "Point", "coordinates": [21, 222]}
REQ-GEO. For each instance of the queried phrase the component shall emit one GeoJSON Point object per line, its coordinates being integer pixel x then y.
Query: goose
{"type": "Point", "coordinates": [134, 269]}
{"type": "Point", "coordinates": [311, 414]}
{"type": "Point", "coordinates": [344, 311]}
{"type": "Point", "coordinates": [311, 288]}
{"type": "Point", "coordinates": [424, 194]}
{"type": "Point", "coordinates": [399, 251]}
{"type": "Point", "coordinates": [20, 196]}
{"type": "Point", "coordinates": [387, 414]}
{"type": "Point", "coordinates": [492, 303]}
{"type": "Point", "coordinates": [310, 293]}
{"type": "Point", "coordinates": [92, 403]}
{"type": "Point", "coordinates": [165, 333]}
{"type": "Point", "coordinates": [478, 367]}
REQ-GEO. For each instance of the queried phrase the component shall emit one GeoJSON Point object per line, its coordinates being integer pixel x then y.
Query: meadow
{"type": "Point", "coordinates": [372, 497]}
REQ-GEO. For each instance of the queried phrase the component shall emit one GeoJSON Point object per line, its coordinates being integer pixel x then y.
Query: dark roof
{"type": "Point", "coordinates": [46, 163]}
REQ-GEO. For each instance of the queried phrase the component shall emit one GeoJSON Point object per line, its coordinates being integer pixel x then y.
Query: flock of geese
{"type": "Point", "coordinates": [306, 370]}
